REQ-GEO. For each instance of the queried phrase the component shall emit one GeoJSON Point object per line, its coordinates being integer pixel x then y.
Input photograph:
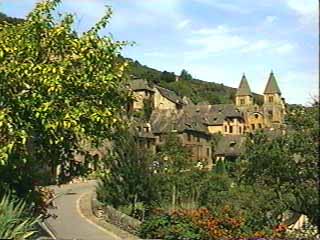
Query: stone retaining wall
{"type": "Point", "coordinates": [115, 217]}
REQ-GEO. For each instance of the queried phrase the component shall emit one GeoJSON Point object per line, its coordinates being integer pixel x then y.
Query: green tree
{"type": "Point", "coordinates": [56, 88]}
{"type": "Point", "coordinates": [167, 76]}
{"type": "Point", "coordinates": [129, 179]}
{"type": "Point", "coordinates": [288, 163]}
{"type": "Point", "coordinates": [175, 164]}
{"type": "Point", "coordinates": [220, 168]}
{"type": "Point", "coordinates": [184, 75]}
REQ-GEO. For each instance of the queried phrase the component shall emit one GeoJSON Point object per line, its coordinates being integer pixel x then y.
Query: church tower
{"type": "Point", "coordinates": [274, 105]}
{"type": "Point", "coordinates": [244, 96]}
{"type": "Point", "coordinates": [272, 93]}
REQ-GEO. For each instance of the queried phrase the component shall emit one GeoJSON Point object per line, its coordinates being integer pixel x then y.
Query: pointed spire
{"type": "Point", "coordinates": [272, 85]}
{"type": "Point", "coordinates": [244, 89]}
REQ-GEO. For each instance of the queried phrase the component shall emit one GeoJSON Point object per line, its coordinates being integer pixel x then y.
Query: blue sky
{"type": "Point", "coordinates": [215, 40]}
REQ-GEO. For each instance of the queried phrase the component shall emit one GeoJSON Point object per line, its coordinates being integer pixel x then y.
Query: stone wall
{"type": "Point", "coordinates": [115, 217]}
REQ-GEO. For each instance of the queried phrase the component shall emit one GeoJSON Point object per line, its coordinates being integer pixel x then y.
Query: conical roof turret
{"type": "Point", "coordinates": [272, 85]}
{"type": "Point", "coordinates": [244, 89]}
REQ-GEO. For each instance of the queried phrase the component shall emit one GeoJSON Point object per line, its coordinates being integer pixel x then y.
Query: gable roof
{"type": "Point", "coordinates": [164, 121]}
{"type": "Point", "coordinates": [140, 84]}
{"type": "Point", "coordinates": [244, 89]}
{"type": "Point", "coordinates": [170, 95]}
{"type": "Point", "coordinates": [272, 85]}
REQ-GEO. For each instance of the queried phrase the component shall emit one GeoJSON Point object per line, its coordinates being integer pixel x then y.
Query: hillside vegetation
{"type": "Point", "coordinates": [195, 89]}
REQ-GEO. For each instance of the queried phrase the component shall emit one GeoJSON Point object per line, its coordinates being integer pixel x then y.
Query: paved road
{"type": "Point", "coordinates": [70, 223]}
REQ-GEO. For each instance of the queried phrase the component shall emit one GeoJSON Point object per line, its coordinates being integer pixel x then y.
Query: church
{"type": "Point", "coordinates": [200, 125]}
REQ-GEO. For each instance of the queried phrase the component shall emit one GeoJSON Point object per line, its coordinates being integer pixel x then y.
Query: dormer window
{"type": "Point", "coordinates": [242, 101]}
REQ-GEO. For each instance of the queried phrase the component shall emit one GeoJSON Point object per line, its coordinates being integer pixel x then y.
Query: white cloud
{"type": "Point", "coordinates": [270, 19]}
{"type": "Point", "coordinates": [307, 10]}
{"type": "Point", "coordinates": [285, 48]}
{"type": "Point", "coordinates": [215, 40]}
{"type": "Point", "coordinates": [256, 46]}
{"type": "Point", "coordinates": [224, 6]}
{"type": "Point", "coordinates": [300, 87]}
{"type": "Point", "coordinates": [183, 24]}
{"type": "Point", "coordinates": [224, 39]}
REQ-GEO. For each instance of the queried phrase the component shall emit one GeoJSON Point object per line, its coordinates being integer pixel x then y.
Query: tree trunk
{"type": "Point", "coordinates": [174, 197]}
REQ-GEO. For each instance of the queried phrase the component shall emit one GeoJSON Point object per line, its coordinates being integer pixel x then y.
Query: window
{"type": "Point", "coordinates": [256, 115]}
{"type": "Point", "coordinates": [147, 93]}
{"type": "Point", "coordinates": [208, 152]}
{"type": "Point", "coordinates": [270, 113]}
{"type": "Point", "coordinates": [189, 137]}
{"type": "Point", "coordinates": [225, 128]}
{"type": "Point", "coordinates": [260, 125]}
{"type": "Point", "coordinates": [270, 99]}
{"type": "Point", "coordinates": [244, 128]}
{"type": "Point", "coordinates": [160, 138]}
{"type": "Point", "coordinates": [146, 129]}
{"type": "Point", "coordinates": [252, 126]}
{"type": "Point", "coordinates": [230, 129]}
{"type": "Point", "coordinates": [139, 129]}
{"type": "Point", "coordinates": [242, 101]}
{"type": "Point", "coordinates": [198, 139]}
{"type": "Point", "coordinates": [240, 129]}
{"type": "Point", "coordinates": [148, 144]}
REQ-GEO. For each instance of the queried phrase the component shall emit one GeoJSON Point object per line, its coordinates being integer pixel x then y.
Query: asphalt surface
{"type": "Point", "coordinates": [70, 223]}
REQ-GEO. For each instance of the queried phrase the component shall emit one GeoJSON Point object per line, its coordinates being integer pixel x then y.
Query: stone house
{"type": "Point", "coordinates": [192, 132]}
{"type": "Point", "coordinates": [160, 98]}
{"type": "Point", "coordinates": [197, 124]}
{"type": "Point", "coordinates": [142, 91]}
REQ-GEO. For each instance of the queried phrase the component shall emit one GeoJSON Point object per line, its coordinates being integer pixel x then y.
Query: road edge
{"type": "Point", "coordinates": [84, 209]}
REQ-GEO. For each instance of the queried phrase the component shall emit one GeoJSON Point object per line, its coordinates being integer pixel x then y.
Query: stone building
{"type": "Point", "coordinates": [270, 114]}
{"type": "Point", "coordinates": [197, 125]}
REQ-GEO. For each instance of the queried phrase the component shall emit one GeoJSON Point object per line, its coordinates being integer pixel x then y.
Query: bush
{"type": "Point", "coordinates": [203, 224]}
{"type": "Point", "coordinates": [14, 224]}
{"type": "Point", "coordinates": [171, 226]}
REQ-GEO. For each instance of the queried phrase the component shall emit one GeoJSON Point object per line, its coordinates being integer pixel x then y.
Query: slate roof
{"type": "Point", "coordinates": [140, 84]}
{"type": "Point", "coordinates": [272, 85]}
{"type": "Point", "coordinates": [171, 95]}
{"type": "Point", "coordinates": [231, 145]}
{"type": "Point", "coordinates": [244, 89]}
{"type": "Point", "coordinates": [164, 121]}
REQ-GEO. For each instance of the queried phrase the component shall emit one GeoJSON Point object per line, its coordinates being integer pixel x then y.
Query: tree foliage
{"type": "Point", "coordinates": [167, 76]}
{"type": "Point", "coordinates": [57, 88]}
{"type": "Point", "coordinates": [288, 164]}
{"type": "Point", "coordinates": [129, 179]}
{"type": "Point", "coordinates": [184, 75]}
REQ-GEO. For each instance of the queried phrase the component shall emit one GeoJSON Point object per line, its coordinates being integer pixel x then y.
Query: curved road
{"type": "Point", "coordinates": [70, 223]}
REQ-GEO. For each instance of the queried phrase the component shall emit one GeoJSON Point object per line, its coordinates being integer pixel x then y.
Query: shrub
{"type": "Point", "coordinates": [171, 226]}
{"type": "Point", "coordinates": [14, 224]}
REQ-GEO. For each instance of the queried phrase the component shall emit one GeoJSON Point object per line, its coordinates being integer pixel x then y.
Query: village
{"type": "Point", "coordinates": [196, 125]}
